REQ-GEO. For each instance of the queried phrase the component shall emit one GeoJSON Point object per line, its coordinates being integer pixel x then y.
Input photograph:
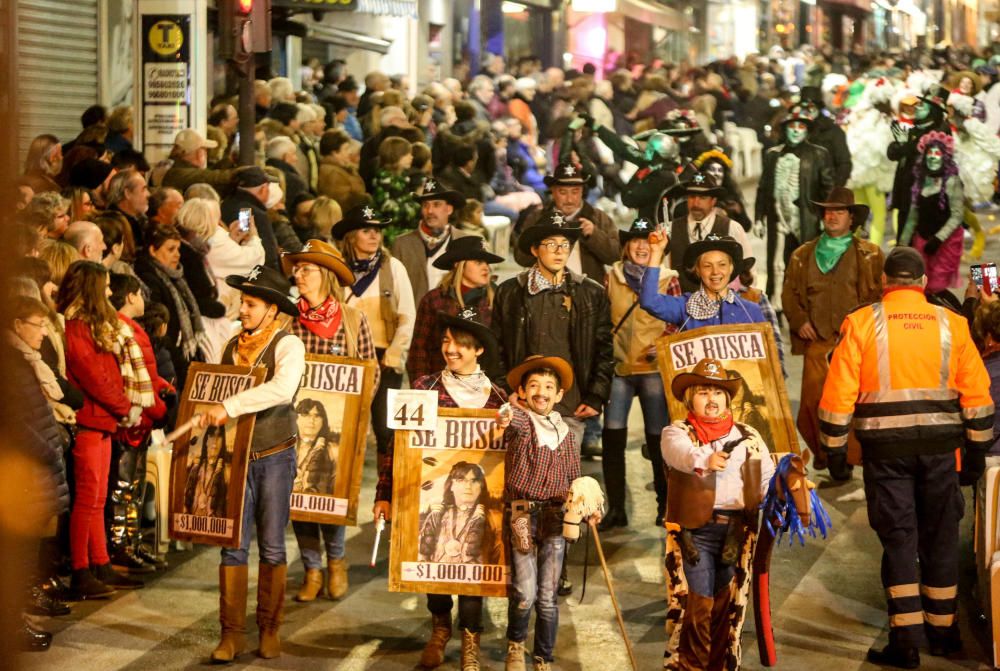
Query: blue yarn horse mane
{"type": "Point", "coordinates": [784, 514]}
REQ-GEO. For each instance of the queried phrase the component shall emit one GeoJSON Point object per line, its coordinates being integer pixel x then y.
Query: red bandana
{"type": "Point", "coordinates": [708, 429]}
{"type": "Point", "coordinates": [323, 320]}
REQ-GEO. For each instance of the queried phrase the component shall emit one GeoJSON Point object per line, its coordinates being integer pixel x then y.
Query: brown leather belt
{"type": "Point", "coordinates": [280, 447]}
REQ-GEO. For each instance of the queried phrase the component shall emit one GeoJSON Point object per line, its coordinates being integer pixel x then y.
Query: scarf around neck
{"type": "Point", "coordinates": [701, 306]}
{"type": "Point", "coordinates": [468, 391]}
{"type": "Point", "coordinates": [365, 271]}
{"type": "Point", "coordinates": [135, 375]}
{"type": "Point", "coordinates": [829, 250]}
{"type": "Point", "coordinates": [537, 283]}
{"type": "Point", "coordinates": [250, 346]}
{"type": "Point", "coordinates": [432, 243]}
{"type": "Point", "coordinates": [708, 430]}
{"type": "Point", "coordinates": [188, 315]}
{"type": "Point", "coordinates": [322, 320]}
{"type": "Point", "coordinates": [550, 429]}
{"type": "Point", "coordinates": [633, 275]}
{"type": "Point", "coordinates": [46, 378]}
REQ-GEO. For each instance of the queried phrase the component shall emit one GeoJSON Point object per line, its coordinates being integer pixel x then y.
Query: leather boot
{"type": "Point", "coordinates": [312, 585]}
{"type": "Point", "coordinates": [470, 651]}
{"type": "Point", "coordinates": [613, 466]}
{"type": "Point", "coordinates": [515, 656]}
{"type": "Point", "coordinates": [659, 476]}
{"type": "Point", "coordinates": [336, 578]}
{"type": "Point", "coordinates": [270, 607]}
{"type": "Point", "coordinates": [433, 654]}
{"type": "Point", "coordinates": [232, 613]}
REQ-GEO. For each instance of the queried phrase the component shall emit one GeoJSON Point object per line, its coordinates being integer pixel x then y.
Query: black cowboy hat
{"type": "Point", "coordinates": [724, 244]}
{"type": "Point", "coordinates": [550, 223]}
{"type": "Point", "coordinates": [709, 372]}
{"type": "Point", "coordinates": [536, 361]}
{"type": "Point", "coordinates": [469, 248]}
{"type": "Point", "coordinates": [843, 198]}
{"type": "Point", "coordinates": [679, 125]}
{"type": "Point", "coordinates": [812, 95]}
{"type": "Point", "coordinates": [936, 95]}
{"type": "Point", "coordinates": [641, 228]}
{"type": "Point", "coordinates": [358, 217]}
{"type": "Point", "coordinates": [266, 284]}
{"type": "Point", "coordinates": [568, 174]}
{"type": "Point", "coordinates": [700, 184]}
{"type": "Point", "coordinates": [322, 254]}
{"type": "Point", "coordinates": [469, 320]}
{"type": "Point", "coordinates": [801, 112]}
{"type": "Point", "coordinates": [434, 190]}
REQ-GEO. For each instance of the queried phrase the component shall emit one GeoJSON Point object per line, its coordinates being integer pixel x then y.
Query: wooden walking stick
{"type": "Point", "coordinates": [611, 591]}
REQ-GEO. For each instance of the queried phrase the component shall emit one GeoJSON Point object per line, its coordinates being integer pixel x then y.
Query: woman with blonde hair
{"type": "Point", "coordinates": [59, 255]}
{"type": "Point", "coordinates": [467, 284]}
{"type": "Point", "coordinates": [324, 215]}
{"type": "Point", "coordinates": [81, 204]}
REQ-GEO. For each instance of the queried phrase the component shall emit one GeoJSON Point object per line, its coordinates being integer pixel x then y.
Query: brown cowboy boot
{"type": "Point", "coordinates": [312, 585]}
{"type": "Point", "coordinates": [336, 578]}
{"type": "Point", "coordinates": [433, 654]}
{"type": "Point", "coordinates": [470, 651]}
{"type": "Point", "coordinates": [232, 613]}
{"type": "Point", "coordinates": [270, 607]}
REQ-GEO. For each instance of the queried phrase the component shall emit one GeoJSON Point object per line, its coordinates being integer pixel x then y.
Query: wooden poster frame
{"type": "Point", "coordinates": [355, 419]}
{"type": "Point", "coordinates": [689, 346]}
{"type": "Point", "coordinates": [241, 431]}
{"type": "Point", "coordinates": [408, 483]}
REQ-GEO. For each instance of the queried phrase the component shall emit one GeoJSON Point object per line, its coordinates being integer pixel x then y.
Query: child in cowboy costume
{"type": "Point", "coordinates": [718, 472]}
{"type": "Point", "coordinates": [264, 310]}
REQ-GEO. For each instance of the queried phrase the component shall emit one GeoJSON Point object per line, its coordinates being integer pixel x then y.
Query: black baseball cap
{"type": "Point", "coordinates": [904, 262]}
{"type": "Point", "coordinates": [249, 178]}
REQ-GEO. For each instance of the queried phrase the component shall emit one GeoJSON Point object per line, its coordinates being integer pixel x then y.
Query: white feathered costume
{"type": "Point", "coordinates": [868, 137]}
{"type": "Point", "coordinates": [977, 151]}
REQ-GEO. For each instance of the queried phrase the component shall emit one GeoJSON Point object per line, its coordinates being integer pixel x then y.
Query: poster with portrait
{"type": "Point", "coordinates": [208, 469]}
{"type": "Point", "coordinates": [332, 411]}
{"type": "Point", "coordinates": [447, 507]}
{"type": "Point", "coordinates": [747, 349]}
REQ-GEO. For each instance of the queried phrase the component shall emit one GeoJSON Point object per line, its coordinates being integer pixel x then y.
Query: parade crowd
{"type": "Point", "coordinates": [366, 229]}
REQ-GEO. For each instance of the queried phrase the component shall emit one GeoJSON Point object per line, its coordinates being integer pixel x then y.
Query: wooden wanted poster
{"type": "Point", "coordinates": [208, 469]}
{"type": "Point", "coordinates": [332, 412]}
{"type": "Point", "coordinates": [747, 349]}
{"type": "Point", "coordinates": [447, 507]}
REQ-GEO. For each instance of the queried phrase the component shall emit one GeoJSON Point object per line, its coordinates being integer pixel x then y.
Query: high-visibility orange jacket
{"type": "Point", "coordinates": [909, 376]}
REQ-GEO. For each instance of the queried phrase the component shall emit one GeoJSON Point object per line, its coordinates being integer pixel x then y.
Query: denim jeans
{"type": "Point", "coordinates": [534, 581]}
{"type": "Point", "coordinates": [709, 575]}
{"type": "Point", "coordinates": [470, 610]}
{"type": "Point", "coordinates": [266, 506]}
{"type": "Point", "coordinates": [308, 535]}
{"type": "Point", "coordinates": [649, 388]}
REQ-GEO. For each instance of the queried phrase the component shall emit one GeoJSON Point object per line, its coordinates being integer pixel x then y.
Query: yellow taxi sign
{"type": "Point", "coordinates": [166, 37]}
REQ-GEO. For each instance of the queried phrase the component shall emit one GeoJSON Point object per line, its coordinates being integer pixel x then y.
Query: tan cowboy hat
{"type": "Point", "coordinates": [322, 254]}
{"type": "Point", "coordinates": [709, 372]}
{"type": "Point", "coordinates": [536, 361]}
{"type": "Point", "coordinates": [843, 198]}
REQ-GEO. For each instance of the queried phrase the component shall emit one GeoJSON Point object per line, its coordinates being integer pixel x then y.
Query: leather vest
{"type": "Point", "coordinates": [276, 424]}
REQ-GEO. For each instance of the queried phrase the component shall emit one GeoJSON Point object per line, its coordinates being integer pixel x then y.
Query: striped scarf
{"type": "Point", "coordinates": [138, 385]}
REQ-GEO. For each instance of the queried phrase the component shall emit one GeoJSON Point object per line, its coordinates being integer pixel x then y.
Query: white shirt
{"type": "Point", "coordinates": [434, 275]}
{"type": "Point", "coordinates": [228, 257]}
{"type": "Point", "coordinates": [406, 311]}
{"type": "Point", "coordinates": [289, 367]}
{"type": "Point", "coordinates": [735, 231]}
{"type": "Point", "coordinates": [680, 453]}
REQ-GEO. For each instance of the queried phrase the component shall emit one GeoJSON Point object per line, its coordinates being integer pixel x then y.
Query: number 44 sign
{"type": "Point", "coordinates": [413, 409]}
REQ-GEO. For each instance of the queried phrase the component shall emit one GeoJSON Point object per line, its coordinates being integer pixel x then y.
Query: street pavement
{"type": "Point", "coordinates": [827, 600]}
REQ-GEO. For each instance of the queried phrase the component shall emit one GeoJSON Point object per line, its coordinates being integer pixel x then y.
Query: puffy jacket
{"type": "Point", "coordinates": [590, 334]}
{"type": "Point", "coordinates": [908, 376]}
{"type": "Point", "coordinates": [97, 375]}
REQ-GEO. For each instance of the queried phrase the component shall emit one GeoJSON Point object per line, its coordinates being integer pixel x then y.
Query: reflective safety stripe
{"type": "Point", "coordinates": [903, 591]}
{"type": "Point", "coordinates": [882, 346]}
{"type": "Point", "coordinates": [939, 593]}
{"type": "Point", "coordinates": [832, 441]}
{"type": "Point", "coordinates": [945, 330]}
{"type": "Point", "coordinates": [907, 619]}
{"type": "Point", "coordinates": [841, 418]}
{"type": "Point", "coordinates": [907, 421]}
{"type": "Point", "coordinates": [979, 436]}
{"type": "Point", "coordinates": [936, 620]}
{"type": "Point", "coordinates": [901, 395]}
{"type": "Point", "coordinates": [975, 413]}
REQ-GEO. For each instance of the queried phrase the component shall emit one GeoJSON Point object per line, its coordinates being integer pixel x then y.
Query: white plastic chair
{"type": "Point", "coordinates": [498, 228]}
{"type": "Point", "coordinates": [987, 548]}
{"type": "Point", "coordinates": [158, 475]}
{"type": "Point", "coordinates": [751, 152]}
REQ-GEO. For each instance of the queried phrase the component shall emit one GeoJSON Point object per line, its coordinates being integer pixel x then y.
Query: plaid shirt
{"type": "Point", "coordinates": [425, 347]}
{"type": "Point", "coordinates": [532, 471]}
{"type": "Point", "coordinates": [338, 345]}
{"type": "Point", "coordinates": [383, 489]}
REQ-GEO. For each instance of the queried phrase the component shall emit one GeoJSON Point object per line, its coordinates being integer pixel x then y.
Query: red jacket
{"type": "Point", "coordinates": [150, 416]}
{"type": "Point", "coordinates": [97, 375]}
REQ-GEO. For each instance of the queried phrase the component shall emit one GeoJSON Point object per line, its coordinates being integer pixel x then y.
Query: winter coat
{"type": "Point", "coordinates": [294, 184]}
{"type": "Point", "coordinates": [342, 183]}
{"type": "Point", "coordinates": [201, 282]}
{"type": "Point", "coordinates": [466, 133]}
{"type": "Point", "coordinates": [231, 207]}
{"type": "Point", "coordinates": [827, 134]}
{"type": "Point", "coordinates": [182, 174]}
{"type": "Point", "coordinates": [97, 375]}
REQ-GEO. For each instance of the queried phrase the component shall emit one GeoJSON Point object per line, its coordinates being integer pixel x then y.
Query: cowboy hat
{"type": "Point", "coordinates": [434, 190]}
{"type": "Point", "coordinates": [700, 184]}
{"type": "Point", "coordinates": [842, 198]}
{"type": "Point", "coordinates": [549, 224]}
{"type": "Point", "coordinates": [801, 112]}
{"type": "Point", "coordinates": [322, 254]}
{"type": "Point", "coordinates": [268, 285]}
{"type": "Point", "coordinates": [536, 361]}
{"type": "Point", "coordinates": [567, 174]}
{"type": "Point", "coordinates": [358, 217]}
{"type": "Point", "coordinates": [469, 248]}
{"type": "Point", "coordinates": [470, 321]}
{"type": "Point", "coordinates": [709, 372]}
{"type": "Point", "coordinates": [641, 228]}
{"type": "Point", "coordinates": [936, 95]}
{"type": "Point", "coordinates": [711, 243]}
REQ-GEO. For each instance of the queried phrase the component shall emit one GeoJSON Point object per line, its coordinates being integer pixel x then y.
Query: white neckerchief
{"type": "Point", "coordinates": [550, 430]}
{"type": "Point", "coordinates": [468, 391]}
{"type": "Point", "coordinates": [706, 226]}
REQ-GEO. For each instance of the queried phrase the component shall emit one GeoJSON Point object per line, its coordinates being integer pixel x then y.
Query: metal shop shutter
{"type": "Point", "coordinates": [56, 67]}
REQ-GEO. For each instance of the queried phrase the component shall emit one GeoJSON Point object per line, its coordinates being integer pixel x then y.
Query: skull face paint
{"type": "Point", "coordinates": [934, 158]}
{"type": "Point", "coordinates": [796, 132]}
{"type": "Point", "coordinates": [715, 170]}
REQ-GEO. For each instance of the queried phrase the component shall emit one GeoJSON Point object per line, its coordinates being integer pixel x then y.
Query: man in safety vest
{"type": "Point", "coordinates": [908, 374]}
